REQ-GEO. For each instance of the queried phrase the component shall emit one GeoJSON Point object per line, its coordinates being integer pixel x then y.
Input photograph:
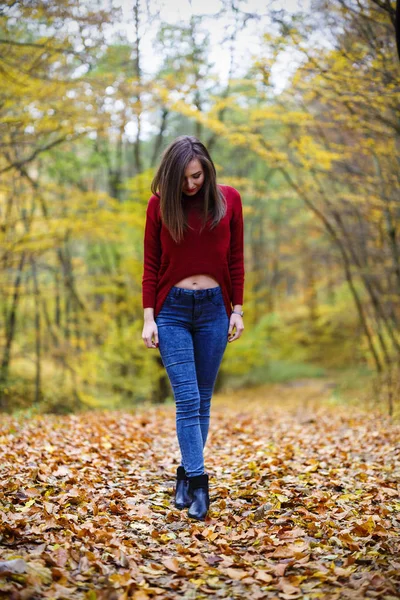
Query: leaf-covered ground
{"type": "Point", "coordinates": [304, 504]}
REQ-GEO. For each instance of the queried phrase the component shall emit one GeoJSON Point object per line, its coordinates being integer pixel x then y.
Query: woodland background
{"type": "Point", "coordinates": [317, 166]}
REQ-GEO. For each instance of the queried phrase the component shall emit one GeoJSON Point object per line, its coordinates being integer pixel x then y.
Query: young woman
{"type": "Point", "coordinates": [192, 291]}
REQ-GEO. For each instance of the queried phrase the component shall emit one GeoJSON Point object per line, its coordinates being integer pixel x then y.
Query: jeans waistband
{"type": "Point", "coordinates": [207, 292]}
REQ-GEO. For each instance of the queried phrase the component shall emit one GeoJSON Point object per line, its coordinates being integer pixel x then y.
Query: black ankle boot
{"type": "Point", "coordinates": [198, 489]}
{"type": "Point", "coordinates": [182, 497]}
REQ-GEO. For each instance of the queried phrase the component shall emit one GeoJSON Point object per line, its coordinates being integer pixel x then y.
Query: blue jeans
{"type": "Point", "coordinates": [193, 334]}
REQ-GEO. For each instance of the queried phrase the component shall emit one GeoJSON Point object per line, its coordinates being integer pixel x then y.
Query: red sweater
{"type": "Point", "coordinates": [217, 252]}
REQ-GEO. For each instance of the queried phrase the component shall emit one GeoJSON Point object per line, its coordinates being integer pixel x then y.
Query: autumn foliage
{"type": "Point", "coordinates": [83, 124]}
{"type": "Point", "coordinates": [304, 503]}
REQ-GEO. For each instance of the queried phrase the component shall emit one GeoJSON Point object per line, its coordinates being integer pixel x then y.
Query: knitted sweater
{"type": "Point", "coordinates": [217, 252]}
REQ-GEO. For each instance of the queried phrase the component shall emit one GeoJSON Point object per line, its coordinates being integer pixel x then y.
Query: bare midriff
{"type": "Point", "coordinates": [197, 282]}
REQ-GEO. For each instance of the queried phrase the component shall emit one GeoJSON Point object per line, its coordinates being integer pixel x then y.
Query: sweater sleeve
{"type": "Point", "coordinates": [236, 261]}
{"type": "Point", "coordinates": [152, 254]}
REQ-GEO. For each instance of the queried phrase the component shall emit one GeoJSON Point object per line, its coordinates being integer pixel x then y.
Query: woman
{"type": "Point", "coordinates": [193, 275]}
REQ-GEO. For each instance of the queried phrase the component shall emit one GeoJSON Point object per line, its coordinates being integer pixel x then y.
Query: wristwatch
{"type": "Point", "coordinates": [241, 313]}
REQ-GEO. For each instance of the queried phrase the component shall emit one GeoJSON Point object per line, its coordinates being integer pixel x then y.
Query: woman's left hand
{"type": "Point", "coordinates": [237, 322]}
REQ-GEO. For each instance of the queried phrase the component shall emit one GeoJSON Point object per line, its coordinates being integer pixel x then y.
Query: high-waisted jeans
{"type": "Point", "coordinates": [193, 334]}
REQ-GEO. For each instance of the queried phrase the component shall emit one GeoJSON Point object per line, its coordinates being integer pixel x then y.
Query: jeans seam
{"type": "Point", "coordinates": [179, 362]}
{"type": "Point", "coordinates": [180, 350]}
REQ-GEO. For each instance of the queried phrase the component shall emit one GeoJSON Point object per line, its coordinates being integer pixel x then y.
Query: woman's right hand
{"type": "Point", "coordinates": [150, 330]}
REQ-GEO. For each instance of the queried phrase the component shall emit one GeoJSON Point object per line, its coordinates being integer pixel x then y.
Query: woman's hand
{"type": "Point", "coordinates": [150, 329]}
{"type": "Point", "coordinates": [237, 322]}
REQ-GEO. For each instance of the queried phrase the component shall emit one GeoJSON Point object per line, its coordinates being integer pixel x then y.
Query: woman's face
{"type": "Point", "coordinates": [194, 177]}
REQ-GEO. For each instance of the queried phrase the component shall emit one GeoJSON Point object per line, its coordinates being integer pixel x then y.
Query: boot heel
{"type": "Point", "coordinates": [183, 498]}
{"type": "Point", "coordinates": [199, 490]}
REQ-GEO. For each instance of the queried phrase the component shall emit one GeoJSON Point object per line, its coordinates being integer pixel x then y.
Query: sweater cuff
{"type": "Point", "coordinates": [148, 299]}
{"type": "Point", "coordinates": [237, 297]}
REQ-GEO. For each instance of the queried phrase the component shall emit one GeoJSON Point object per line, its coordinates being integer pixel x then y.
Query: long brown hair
{"type": "Point", "coordinates": [168, 180]}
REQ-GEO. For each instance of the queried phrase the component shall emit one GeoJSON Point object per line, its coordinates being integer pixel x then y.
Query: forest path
{"type": "Point", "coordinates": [304, 503]}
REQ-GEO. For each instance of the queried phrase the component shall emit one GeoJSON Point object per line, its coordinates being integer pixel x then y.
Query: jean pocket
{"type": "Point", "coordinates": [217, 299]}
{"type": "Point", "coordinates": [171, 298]}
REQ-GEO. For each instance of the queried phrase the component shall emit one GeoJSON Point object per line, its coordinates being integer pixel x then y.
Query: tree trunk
{"type": "Point", "coordinates": [38, 392]}
{"type": "Point", "coordinates": [9, 334]}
